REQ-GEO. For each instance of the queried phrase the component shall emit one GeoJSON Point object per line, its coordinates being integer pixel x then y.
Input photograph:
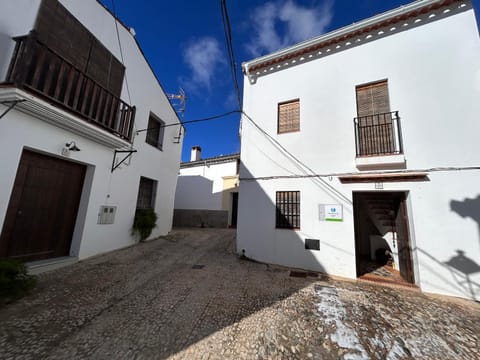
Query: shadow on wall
{"type": "Point", "coordinates": [197, 205]}
{"type": "Point", "coordinates": [460, 265]}
{"type": "Point", "coordinates": [259, 237]}
{"type": "Point", "coordinates": [461, 269]}
{"type": "Point", "coordinates": [196, 192]}
{"type": "Point", "coordinates": [468, 208]}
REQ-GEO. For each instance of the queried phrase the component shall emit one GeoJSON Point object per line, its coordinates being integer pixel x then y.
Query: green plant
{"type": "Point", "coordinates": [144, 222]}
{"type": "Point", "coordinates": [14, 280]}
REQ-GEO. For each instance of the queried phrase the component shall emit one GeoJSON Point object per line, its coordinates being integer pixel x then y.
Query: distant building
{"type": "Point", "coordinates": [366, 141]}
{"type": "Point", "coordinates": [207, 191]}
{"type": "Point", "coordinates": [73, 94]}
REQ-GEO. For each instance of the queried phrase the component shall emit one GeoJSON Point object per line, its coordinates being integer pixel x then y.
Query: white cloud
{"type": "Point", "coordinates": [279, 24]}
{"type": "Point", "coordinates": [203, 56]}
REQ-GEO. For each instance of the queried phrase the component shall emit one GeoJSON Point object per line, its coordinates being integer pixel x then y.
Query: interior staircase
{"type": "Point", "coordinates": [381, 211]}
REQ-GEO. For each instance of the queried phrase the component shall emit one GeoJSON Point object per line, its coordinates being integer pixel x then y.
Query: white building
{"type": "Point", "coordinates": [74, 78]}
{"type": "Point", "coordinates": [366, 138]}
{"type": "Point", "coordinates": [207, 191]}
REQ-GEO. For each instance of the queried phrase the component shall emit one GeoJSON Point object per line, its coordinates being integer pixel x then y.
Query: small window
{"type": "Point", "coordinates": [146, 193]}
{"type": "Point", "coordinates": [288, 210]}
{"type": "Point", "coordinates": [155, 131]}
{"type": "Point", "coordinates": [289, 116]}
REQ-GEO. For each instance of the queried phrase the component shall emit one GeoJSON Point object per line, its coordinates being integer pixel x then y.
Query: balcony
{"type": "Point", "coordinates": [39, 70]}
{"type": "Point", "coordinates": [378, 141]}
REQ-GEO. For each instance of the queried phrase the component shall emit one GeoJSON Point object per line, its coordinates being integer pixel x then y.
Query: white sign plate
{"type": "Point", "coordinates": [331, 212]}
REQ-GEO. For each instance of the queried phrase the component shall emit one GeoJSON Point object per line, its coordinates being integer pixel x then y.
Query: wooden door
{"type": "Point", "coordinates": [234, 209]}
{"type": "Point", "coordinates": [403, 242]}
{"type": "Point", "coordinates": [43, 208]}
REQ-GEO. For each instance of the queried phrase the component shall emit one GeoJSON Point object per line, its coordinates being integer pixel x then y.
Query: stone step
{"type": "Point", "coordinates": [41, 266]}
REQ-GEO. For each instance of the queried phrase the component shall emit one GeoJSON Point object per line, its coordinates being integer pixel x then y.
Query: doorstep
{"type": "Point", "coordinates": [41, 266]}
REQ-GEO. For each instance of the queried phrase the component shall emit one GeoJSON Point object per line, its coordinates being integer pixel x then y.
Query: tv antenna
{"type": "Point", "coordinates": [180, 101]}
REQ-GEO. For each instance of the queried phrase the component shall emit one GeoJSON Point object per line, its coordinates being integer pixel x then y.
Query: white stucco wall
{"type": "Point", "coordinates": [201, 187]}
{"type": "Point", "coordinates": [432, 72]}
{"type": "Point", "coordinates": [102, 187]}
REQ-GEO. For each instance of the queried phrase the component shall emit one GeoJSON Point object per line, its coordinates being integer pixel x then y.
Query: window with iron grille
{"type": "Point", "coordinates": [147, 191]}
{"type": "Point", "coordinates": [155, 131]}
{"type": "Point", "coordinates": [289, 116]}
{"type": "Point", "coordinates": [288, 209]}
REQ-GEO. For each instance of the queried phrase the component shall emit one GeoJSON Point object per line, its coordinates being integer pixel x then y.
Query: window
{"type": "Point", "coordinates": [289, 116]}
{"type": "Point", "coordinates": [155, 131]}
{"type": "Point", "coordinates": [288, 210]}
{"type": "Point", "coordinates": [146, 193]}
{"type": "Point", "coordinates": [374, 121]}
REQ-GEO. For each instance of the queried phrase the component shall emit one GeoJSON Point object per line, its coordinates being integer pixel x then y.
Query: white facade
{"type": "Point", "coordinates": [201, 186]}
{"type": "Point", "coordinates": [432, 64]}
{"type": "Point", "coordinates": [208, 185]}
{"type": "Point", "coordinates": [44, 128]}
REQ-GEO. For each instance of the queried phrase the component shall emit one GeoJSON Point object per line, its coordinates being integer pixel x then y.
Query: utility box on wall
{"type": "Point", "coordinates": [106, 214]}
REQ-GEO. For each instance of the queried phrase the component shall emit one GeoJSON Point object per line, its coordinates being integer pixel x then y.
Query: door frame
{"type": "Point", "coordinates": [84, 194]}
{"type": "Point", "coordinates": [404, 204]}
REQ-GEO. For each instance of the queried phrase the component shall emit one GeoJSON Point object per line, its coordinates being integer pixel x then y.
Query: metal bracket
{"type": "Point", "coordinates": [176, 139]}
{"type": "Point", "coordinates": [12, 105]}
{"type": "Point", "coordinates": [130, 153]}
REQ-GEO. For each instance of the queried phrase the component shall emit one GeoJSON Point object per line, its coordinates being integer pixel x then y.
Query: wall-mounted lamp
{"type": "Point", "coordinates": [72, 146]}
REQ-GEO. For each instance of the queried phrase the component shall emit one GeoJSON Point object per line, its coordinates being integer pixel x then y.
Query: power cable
{"type": "Point", "coordinates": [214, 117]}
{"type": "Point", "coordinates": [121, 50]}
{"type": "Point", "coordinates": [303, 167]}
{"type": "Point", "coordinates": [231, 56]}
{"type": "Point", "coordinates": [428, 170]}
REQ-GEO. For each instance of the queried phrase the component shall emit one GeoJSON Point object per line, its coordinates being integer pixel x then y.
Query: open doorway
{"type": "Point", "coordinates": [234, 212]}
{"type": "Point", "coordinates": [382, 242]}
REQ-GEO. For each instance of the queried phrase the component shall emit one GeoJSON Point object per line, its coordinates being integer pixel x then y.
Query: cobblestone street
{"type": "Point", "coordinates": [188, 296]}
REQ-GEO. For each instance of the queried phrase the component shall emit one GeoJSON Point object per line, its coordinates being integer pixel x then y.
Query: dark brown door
{"type": "Point", "coordinates": [403, 241]}
{"type": "Point", "coordinates": [234, 209]}
{"type": "Point", "coordinates": [43, 208]}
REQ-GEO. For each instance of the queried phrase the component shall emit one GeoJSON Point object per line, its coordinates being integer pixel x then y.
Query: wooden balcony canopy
{"type": "Point", "coordinates": [40, 70]}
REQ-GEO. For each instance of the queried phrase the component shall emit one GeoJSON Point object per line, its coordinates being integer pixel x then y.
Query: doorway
{"type": "Point", "coordinates": [233, 220]}
{"type": "Point", "coordinates": [382, 242]}
{"type": "Point", "coordinates": [43, 208]}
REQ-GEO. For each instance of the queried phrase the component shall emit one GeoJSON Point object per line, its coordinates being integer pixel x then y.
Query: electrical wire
{"type": "Point", "coordinates": [214, 117]}
{"type": "Point", "coordinates": [387, 172]}
{"type": "Point", "coordinates": [121, 50]}
{"type": "Point", "coordinates": [307, 171]}
{"type": "Point", "coordinates": [231, 56]}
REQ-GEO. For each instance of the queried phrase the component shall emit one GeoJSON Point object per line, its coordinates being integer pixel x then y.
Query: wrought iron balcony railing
{"type": "Point", "coordinates": [379, 134]}
{"type": "Point", "coordinates": [38, 69]}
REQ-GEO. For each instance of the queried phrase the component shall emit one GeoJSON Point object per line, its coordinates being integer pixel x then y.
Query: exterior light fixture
{"type": "Point", "coordinates": [72, 146]}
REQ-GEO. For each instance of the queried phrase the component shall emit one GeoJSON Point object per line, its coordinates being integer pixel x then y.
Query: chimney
{"type": "Point", "coordinates": [196, 153]}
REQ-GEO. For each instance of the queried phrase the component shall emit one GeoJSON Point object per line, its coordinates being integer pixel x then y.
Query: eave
{"type": "Point", "coordinates": [42, 110]}
{"type": "Point", "coordinates": [402, 18]}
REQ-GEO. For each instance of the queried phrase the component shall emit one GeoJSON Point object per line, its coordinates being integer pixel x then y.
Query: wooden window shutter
{"type": "Point", "coordinates": [289, 116]}
{"type": "Point", "coordinates": [375, 127]}
{"type": "Point", "coordinates": [373, 99]}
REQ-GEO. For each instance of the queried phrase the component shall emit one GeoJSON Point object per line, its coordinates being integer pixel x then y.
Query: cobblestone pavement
{"type": "Point", "coordinates": [188, 296]}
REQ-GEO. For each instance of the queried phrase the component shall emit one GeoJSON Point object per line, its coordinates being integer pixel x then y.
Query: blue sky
{"type": "Point", "coordinates": [185, 44]}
